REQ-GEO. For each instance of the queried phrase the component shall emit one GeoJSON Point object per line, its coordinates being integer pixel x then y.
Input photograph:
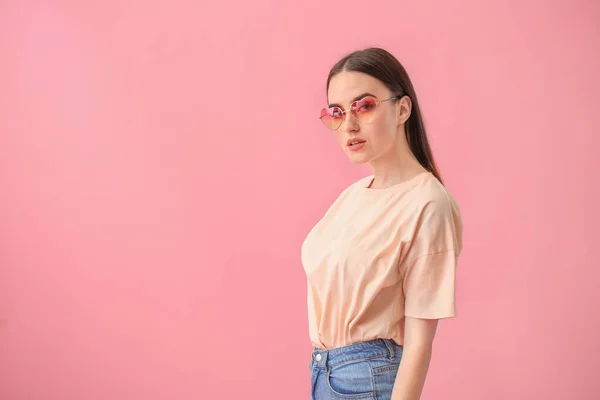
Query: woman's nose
{"type": "Point", "coordinates": [350, 123]}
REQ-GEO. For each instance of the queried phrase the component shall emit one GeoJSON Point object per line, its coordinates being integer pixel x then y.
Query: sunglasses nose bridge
{"type": "Point", "coordinates": [349, 119]}
{"type": "Point", "coordinates": [350, 111]}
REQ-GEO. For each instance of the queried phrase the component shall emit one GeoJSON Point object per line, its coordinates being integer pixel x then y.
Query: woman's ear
{"type": "Point", "coordinates": [404, 109]}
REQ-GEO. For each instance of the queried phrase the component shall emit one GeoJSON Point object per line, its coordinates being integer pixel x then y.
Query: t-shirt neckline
{"type": "Point", "coordinates": [369, 181]}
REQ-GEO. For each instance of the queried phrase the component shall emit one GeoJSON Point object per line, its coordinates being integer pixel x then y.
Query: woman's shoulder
{"type": "Point", "coordinates": [432, 195]}
{"type": "Point", "coordinates": [439, 214]}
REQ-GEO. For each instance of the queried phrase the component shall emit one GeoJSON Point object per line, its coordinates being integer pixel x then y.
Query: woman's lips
{"type": "Point", "coordinates": [355, 144]}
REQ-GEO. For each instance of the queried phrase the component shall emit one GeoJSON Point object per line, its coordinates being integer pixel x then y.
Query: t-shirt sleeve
{"type": "Point", "coordinates": [429, 269]}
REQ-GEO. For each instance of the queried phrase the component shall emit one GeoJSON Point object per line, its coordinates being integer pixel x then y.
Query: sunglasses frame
{"type": "Point", "coordinates": [397, 97]}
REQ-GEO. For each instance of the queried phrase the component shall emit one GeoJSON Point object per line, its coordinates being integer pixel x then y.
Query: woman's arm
{"type": "Point", "coordinates": [416, 354]}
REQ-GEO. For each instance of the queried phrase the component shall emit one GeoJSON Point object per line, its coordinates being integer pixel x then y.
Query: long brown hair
{"type": "Point", "coordinates": [382, 65]}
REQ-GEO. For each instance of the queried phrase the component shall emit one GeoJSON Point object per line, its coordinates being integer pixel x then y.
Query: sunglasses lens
{"type": "Point", "coordinates": [332, 117]}
{"type": "Point", "coordinates": [364, 110]}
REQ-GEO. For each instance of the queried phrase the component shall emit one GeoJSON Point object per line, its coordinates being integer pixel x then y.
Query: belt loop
{"type": "Point", "coordinates": [390, 347]}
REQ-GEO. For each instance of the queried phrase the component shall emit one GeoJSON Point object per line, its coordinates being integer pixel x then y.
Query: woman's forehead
{"type": "Point", "coordinates": [346, 87]}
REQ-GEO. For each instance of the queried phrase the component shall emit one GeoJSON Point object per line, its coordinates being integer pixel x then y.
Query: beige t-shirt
{"type": "Point", "coordinates": [378, 255]}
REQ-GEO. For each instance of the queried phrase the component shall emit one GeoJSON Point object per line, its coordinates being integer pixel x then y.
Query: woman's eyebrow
{"type": "Point", "coordinates": [354, 99]}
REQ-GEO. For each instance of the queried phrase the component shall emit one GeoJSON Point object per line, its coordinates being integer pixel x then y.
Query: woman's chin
{"type": "Point", "coordinates": [358, 159]}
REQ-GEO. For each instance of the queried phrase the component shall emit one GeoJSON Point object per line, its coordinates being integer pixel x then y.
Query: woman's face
{"type": "Point", "coordinates": [377, 137]}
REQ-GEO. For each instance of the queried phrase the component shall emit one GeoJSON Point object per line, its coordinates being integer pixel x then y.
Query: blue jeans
{"type": "Point", "coordinates": [365, 370]}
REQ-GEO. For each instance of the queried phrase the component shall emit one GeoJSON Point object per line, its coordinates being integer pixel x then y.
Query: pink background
{"type": "Point", "coordinates": [161, 163]}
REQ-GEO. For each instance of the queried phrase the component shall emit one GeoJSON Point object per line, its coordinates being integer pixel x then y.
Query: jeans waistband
{"type": "Point", "coordinates": [368, 349]}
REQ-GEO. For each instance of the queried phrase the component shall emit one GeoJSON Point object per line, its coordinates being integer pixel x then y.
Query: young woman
{"type": "Point", "coordinates": [381, 262]}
